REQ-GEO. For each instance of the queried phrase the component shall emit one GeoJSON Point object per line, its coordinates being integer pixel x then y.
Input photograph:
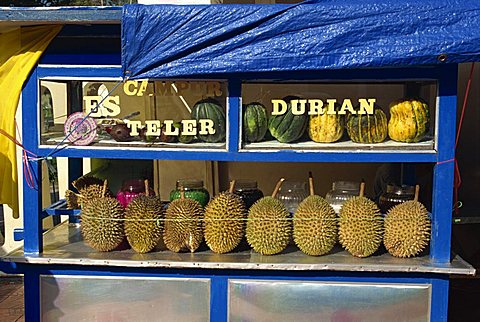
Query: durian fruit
{"type": "Point", "coordinates": [102, 222]}
{"type": "Point", "coordinates": [360, 226]}
{"type": "Point", "coordinates": [183, 224]}
{"type": "Point", "coordinates": [407, 228]}
{"type": "Point", "coordinates": [314, 224]}
{"type": "Point", "coordinates": [88, 188]}
{"type": "Point", "coordinates": [224, 221]}
{"type": "Point", "coordinates": [72, 199]}
{"type": "Point", "coordinates": [85, 181]}
{"type": "Point", "coordinates": [143, 224]}
{"type": "Point", "coordinates": [268, 225]}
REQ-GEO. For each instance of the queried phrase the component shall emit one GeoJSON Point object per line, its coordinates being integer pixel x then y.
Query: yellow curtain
{"type": "Point", "coordinates": [20, 50]}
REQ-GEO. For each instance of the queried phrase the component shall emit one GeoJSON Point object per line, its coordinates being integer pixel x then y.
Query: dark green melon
{"type": "Point", "coordinates": [255, 123]}
{"type": "Point", "coordinates": [364, 128]}
{"type": "Point", "coordinates": [288, 127]}
{"type": "Point", "coordinates": [212, 110]}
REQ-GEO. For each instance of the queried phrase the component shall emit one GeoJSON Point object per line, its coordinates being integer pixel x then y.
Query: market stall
{"type": "Point", "coordinates": [359, 92]}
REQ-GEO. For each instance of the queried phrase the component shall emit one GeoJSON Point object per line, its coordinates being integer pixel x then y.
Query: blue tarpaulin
{"type": "Point", "coordinates": [165, 41]}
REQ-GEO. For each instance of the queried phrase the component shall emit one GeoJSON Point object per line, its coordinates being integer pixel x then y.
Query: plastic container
{"type": "Point", "coordinates": [341, 192]}
{"type": "Point", "coordinates": [292, 193]}
{"type": "Point", "coordinates": [130, 189]}
{"type": "Point", "coordinates": [248, 191]}
{"type": "Point", "coordinates": [395, 195]}
{"type": "Point", "coordinates": [193, 189]}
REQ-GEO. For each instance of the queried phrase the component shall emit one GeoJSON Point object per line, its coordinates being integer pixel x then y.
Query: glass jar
{"type": "Point", "coordinates": [292, 193]}
{"type": "Point", "coordinates": [395, 195]}
{"type": "Point", "coordinates": [193, 189]}
{"type": "Point", "coordinates": [248, 191]}
{"type": "Point", "coordinates": [341, 192]}
{"type": "Point", "coordinates": [130, 189]}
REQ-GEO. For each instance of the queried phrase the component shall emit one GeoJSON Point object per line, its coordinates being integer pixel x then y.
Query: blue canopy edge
{"type": "Point", "coordinates": [165, 41]}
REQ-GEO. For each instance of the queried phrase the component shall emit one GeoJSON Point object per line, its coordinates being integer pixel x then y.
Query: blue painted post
{"type": "Point", "coordinates": [439, 306]}
{"type": "Point", "coordinates": [442, 199]}
{"type": "Point", "coordinates": [31, 295]}
{"type": "Point", "coordinates": [234, 114]}
{"type": "Point", "coordinates": [219, 298]}
{"type": "Point", "coordinates": [32, 201]}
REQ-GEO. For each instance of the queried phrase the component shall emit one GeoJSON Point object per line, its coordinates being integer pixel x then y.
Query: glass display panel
{"type": "Point", "coordinates": [256, 300]}
{"type": "Point", "coordinates": [156, 114]}
{"type": "Point", "coordinates": [121, 298]}
{"type": "Point", "coordinates": [339, 116]}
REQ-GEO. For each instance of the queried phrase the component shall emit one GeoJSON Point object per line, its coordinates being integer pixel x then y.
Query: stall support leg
{"type": "Point", "coordinates": [439, 306]}
{"type": "Point", "coordinates": [442, 203]}
{"type": "Point", "coordinates": [32, 187]}
{"type": "Point", "coordinates": [219, 299]}
{"type": "Point", "coordinates": [31, 289]}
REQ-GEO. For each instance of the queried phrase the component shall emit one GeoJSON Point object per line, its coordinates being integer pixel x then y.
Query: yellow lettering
{"type": "Point", "coordinates": [143, 88]}
{"type": "Point", "coordinates": [316, 107]}
{"type": "Point", "coordinates": [182, 87]}
{"type": "Point", "coordinates": [153, 128]}
{"type": "Point", "coordinates": [189, 127]}
{"type": "Point", "coordinates": [127, 87]}
{"type": "Point", "coordinates": [366, 105]}
{"type": "Point", "coordinates": [296, 110]}
{"type": "Point", "coordinates": [133, 126]}
{"type": "Point", "coordinates": [214, 89]}
{"type": "Point", "coordinates": [90, 103]}
{"type": "Point", "coordinates": [164, 88]}
{"type": "Point", "coordinates": [331, 106]}
{"type": "Point", "coordinates": [169, 128]}
{"type": "Point", "coordinates": [111, 106]}
{"type": "Point", "coordinates": [206, 127]}
{"type": "Point", "coordinates": [347, 105]}
{"type": "Point", "coordinates": [279, 107]}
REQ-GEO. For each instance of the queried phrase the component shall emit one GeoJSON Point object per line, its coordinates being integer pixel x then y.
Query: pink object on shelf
{"type": "Point", "coordinates": [130, 189]}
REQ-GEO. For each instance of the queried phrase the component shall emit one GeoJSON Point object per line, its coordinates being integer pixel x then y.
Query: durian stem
{"type": "Point", "coordinates": [104, 190]}
{"type": "Point", "coordinates": [277, 187]}
{"type": "Point", "coordinates": [146, 187]}
{"type": "Point", "coordinates": [232, 186]}
{"type": "Point", "coordinates": [310, 183]}
{"type": "Point", "coordinates": [182, 192]}
{"type": "Point", "coordinates": [417, 192]}
{"type": "Point", "coordinates": [362, 189]}
{"type": "Point", "coordinates": [73, 193]}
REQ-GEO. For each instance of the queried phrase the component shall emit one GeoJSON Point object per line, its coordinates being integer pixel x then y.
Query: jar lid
{"type": "Point", "coordinates": [346, 185]}
{"type": "Point", "coordinates": [190, 183]}
{"type": "Point", "coordinates": [245, 184]}
{"type": "Point", "coordinates": [133, 185]}
{"type": "Point", "coordinates": [400, 190]}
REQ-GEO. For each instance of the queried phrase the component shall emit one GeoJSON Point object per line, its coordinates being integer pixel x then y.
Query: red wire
{"type": "Point", "coordinates": [465, 99]}
{"type": "Point", "coordinates": [11, 138]}
{"type": "Point", "coordinates": [457, 178]}
{"type": "Point", "coordinates": [26, 166]}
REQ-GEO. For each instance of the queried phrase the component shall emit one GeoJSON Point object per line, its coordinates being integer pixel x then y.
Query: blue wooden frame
{"type": "Point", "coordinates": [442, 189]}
{"type": "Point", "coordinates": [446, 76]}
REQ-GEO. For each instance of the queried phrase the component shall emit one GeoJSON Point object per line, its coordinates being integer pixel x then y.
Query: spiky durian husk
{"type": "Point", "coordinates": [85, 181]}
{"type": "Point", "coordinates": [183, 225]}
{"type": "Point", "coordinates": [143, 226]}
{"type": "Point", "coordinates": [407, 229]}
{"type": "Point", "coordinates": [315, 226]}
{"type": "Point", "coordinates": [360, 226]}
{"type": "Point", "coordinates": [268, 228]}
{"type": "Point", "coordinates": [100, 226]}
{"type": "Point", "coordinates": [72, 200]}
{"type": "Point", "coordinates": [221, 234]}
{"type": "Point", "coordinates": [93, 191]}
